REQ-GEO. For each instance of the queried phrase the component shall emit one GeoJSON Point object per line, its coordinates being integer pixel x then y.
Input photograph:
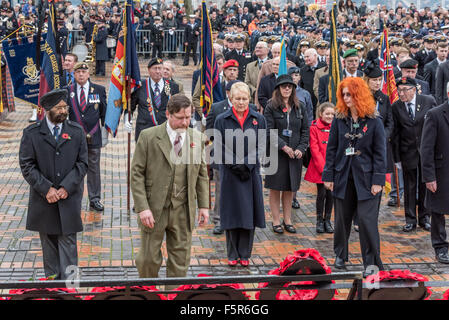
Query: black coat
{"type": "Point", "coordinates": [266, 88]}
{"type": "Point", "coordinates": [430, 71]}
{"type": "Point", "coordinates": [243, 59]}
{"type": "Point", "coordinates": [407, 133]}
{"type": "Point", "coordinates": [441, 80]}
{"type": "Point", "coordinates": [386, 115]}
{"type": "Point", "coordinates": [288, 173]}
{"type": "Point", "coordinates": [190, 35]}
{"type": "Point", "coordinates": [241, 202]}
{"type": "Point", "coordinates": [435, 157]}
{"type": "Point", "coordinates": [323, 85]}
{"type": "Point", "coordinates": [368, 168]}
{"type": "Point", "coordinates": [139, 100]}
{"type": "Point", "coordinates": [46, 163]}
{"type": "Point", "coordinates": [94, 113]}
{"type": "Point", "coordinates": [101, 49]}
{"type": "Point", "coordinates": [306, 82]}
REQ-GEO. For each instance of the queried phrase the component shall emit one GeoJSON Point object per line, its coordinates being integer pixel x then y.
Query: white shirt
{"type": "Point", "coordinates": [172, 135]}
{"type": "Point", "coordinates": [86, 91]}
{"type": "Point", "coordinates": [51, 125]}
{"type": "Point", "coordinates": [160, 85]}
{"type": "Point", "coordinates": [351, 75]}
{"type": "Point", "coordinates": [439, 61]}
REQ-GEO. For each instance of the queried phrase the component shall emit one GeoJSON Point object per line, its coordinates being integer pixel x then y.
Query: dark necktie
{"type": "Point", "coordinates": [157, 96]}
{"type": "Point", "coordinates": [410, 110]}
{"type": "Point", "coordinates": [177, 145]}
{"type": "Point", "coordinates": [56, 132]}
{"type": "Point", "coordinates": [82, 100]}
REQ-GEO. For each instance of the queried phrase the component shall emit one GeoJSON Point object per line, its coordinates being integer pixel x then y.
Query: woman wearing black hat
{"type": "Point", "coordinates": [287, 115]}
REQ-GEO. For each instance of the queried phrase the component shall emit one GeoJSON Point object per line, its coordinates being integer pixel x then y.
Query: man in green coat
{"type": "Point", "coordinates": [169, 181]}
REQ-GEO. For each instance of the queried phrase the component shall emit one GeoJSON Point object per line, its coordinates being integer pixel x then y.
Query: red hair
{"type": "Point", "coordinates": [361, 95]}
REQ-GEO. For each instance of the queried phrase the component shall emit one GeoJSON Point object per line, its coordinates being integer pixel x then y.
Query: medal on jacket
{"type": "Point", "coordinates": [150, 107]}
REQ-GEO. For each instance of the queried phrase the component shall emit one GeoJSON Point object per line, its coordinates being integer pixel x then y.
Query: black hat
{"type": "Point", "coordinates": [371, 70]}
{"type": "Point", "coordinates": [429, 39]}
{"type": "Point", "coordinates": [52, 98]}
{"type": "Point", "coordinates": [405, 81]}
{"type": "Point", "coordinates": [293, 69]}
{"type": "Point", "coordinates": [409, 64]}
{"type": "Point", "coordinates": [154, 61]}
{"type": "Point", "coordinates": [414, 44]}
{"type": "Point", "coordinates": [284, 79]}
{"type": "Point", "coordinates": [230, 83]}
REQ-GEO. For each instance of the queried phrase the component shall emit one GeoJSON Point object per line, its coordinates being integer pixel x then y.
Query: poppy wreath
{"type": "Point", "coordinates": [304, 261]}
{"type": "Point", "coordinates": [136, 293]}
{"type": "Point", "coordinates": [446, 295]}
{"type": "Point", "coordinates": [417, 293]}
{"type": "Point", "coordinates": [202, 291]}
{"type": "Point", "coordinates": [31, 294]}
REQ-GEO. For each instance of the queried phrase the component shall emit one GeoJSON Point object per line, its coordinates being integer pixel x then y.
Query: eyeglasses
{"type": "Point", "coordinates": [286, 86]}
{"type": "Point", "coordinates": [404, 89]}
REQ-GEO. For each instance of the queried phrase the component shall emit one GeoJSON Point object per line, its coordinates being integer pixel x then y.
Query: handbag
{"type": "Point", "coordinates": [306, 158]}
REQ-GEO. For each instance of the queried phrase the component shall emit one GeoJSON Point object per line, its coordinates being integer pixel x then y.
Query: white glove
{"type": "Point", "coordinates": [104, 137]}
{"type": "Point", "coordinates": [203, 121]}
{"type": "Point", "coordinates": [128, 126]}
{"type": "Point", "coordinates": [398, 165]}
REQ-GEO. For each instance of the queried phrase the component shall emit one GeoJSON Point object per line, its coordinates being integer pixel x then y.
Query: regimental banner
{"type": "Point", "coordinates": [20, 54]}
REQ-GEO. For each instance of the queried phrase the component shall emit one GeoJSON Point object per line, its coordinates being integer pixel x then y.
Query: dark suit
{"type": "Point", "coordinates": [353, 176]}
{"type": "Point", "coordinates": [243, 59]}
{"type": "Point", "coordinates": [139, 100]}
{"type": "Point", "coordinates": [91, 119]}
{"type": "Point", "coordinates": [435, 167]}
{"type": "Point", "coordinates": [406, 145]}
{"type": "Point", "coordinates": [323, 95]}
{"type": "Point", "coordinates": [386, 114]}
{"type": "Point", "coordinates": [441, 80]}
{"type": "Point", "coordinates": [306, 82]}
{"type": "Point", "coordinates": [430, 71]}
{"type": "Point", "coordinates": [266, 88]}
{"type": "Point", "coordinates": [101, 51]}
{"type": "Point", "coordinates": [47, 163]}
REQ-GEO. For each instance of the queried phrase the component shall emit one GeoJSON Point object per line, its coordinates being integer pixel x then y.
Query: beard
{"type": "Point", "coordinates": [57, 118]}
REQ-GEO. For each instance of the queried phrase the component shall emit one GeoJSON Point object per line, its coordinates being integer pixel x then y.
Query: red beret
{"type": "Point", "coordinates": [231, 63]}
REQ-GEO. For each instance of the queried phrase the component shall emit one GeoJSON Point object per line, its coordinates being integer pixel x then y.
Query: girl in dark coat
{"type": "Point", "coordinates": [287, 116]}
{"type": "Point", "coordinates": [319, 136]}
{"type": "Point", "coordinates": [241, 202]}
{"type": "Point", "coordinates": [355, 170]}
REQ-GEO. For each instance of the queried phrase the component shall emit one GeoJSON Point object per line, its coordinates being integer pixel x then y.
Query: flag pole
{"type": "Point", "coordinates": [396, 178]}
{"type": "Point", "coordinates": [127, 90]}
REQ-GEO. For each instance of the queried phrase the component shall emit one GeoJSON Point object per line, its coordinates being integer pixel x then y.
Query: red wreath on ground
{"type": "Point", "coordinates": [393, 275]}
{"type": "Point", "coordinates": [302, 255]}
{"type": "Point", "coordinates": [230, 286]}
{"type": "Point", "coordinates": [446, 295]}
{"type": "Point", "coordinates": [135, 290]}
{"type": "Point", "coordinates": [20, 293]}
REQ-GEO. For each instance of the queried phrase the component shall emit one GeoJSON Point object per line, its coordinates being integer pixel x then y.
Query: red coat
{"type": "Point", "coordinates": [319, 136]}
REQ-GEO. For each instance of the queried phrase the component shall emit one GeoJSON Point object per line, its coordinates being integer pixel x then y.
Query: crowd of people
{"type": "Point", "coordinates": [347, 148]}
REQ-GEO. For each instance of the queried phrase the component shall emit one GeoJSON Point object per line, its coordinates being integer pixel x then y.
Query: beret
{"type": "Point", "coordinates": [52, 98]}
{"type": "Point", "coordinates": [409, 64]}
{"type": "Point", "coordinates": [231, 63]}
{"type": "Point", "coordinates": [81, 65]}
{"type": "Point", "coordinates": [406, 81]}
{"type": "Point", "coordinates": [154, 61]}
{"type": "Point", "coordinates": [350, 53]}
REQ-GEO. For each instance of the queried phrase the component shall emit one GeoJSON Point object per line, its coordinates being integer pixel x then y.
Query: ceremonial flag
{"type": "Point", "coordinates": [210, 80]}
{"type": "Point", "coordinates": [283, 59]}
{"type": "Point", "coordinates": [388, 81]}
{"type": "Point", "coordinates": [335, 70]}
{"type": "Point", "coordinates": [126, 68]}
{"type": "Point", "coordinates": [50, 71]}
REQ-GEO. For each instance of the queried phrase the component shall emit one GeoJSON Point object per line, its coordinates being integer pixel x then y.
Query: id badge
{"type": "Point", "coordinates": [350, 151]}
{"type": "Point", "coordinates": [287, 133]}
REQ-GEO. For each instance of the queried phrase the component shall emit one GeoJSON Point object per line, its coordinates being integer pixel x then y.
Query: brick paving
{"type": "Point", "coordinates": [110, 240]}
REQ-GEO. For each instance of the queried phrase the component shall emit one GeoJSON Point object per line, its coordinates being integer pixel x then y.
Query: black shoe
{"type": "Point", "coordinates": [295, 204]}
{"type": "Point", "coordinates": [425, 226]}
{"type": "Point", "coordinates": [217, 230]}
{"type": "Point", "coordinates": [328, 227]}
{"type": "Point", "coordinates": [392, 202]}
{"type": "Point", "coordinates": [289, 227]}
{"type": "Point", "coordinates": [442, 257]}
{"type": "Point", "coordinates": [278, 228]}
{"type": "Point", "coordinates": [185, 64]}
{"type": "Point", "coordinates": [320, 226]}
{"type": "Point", "coordinates": [96, 205]}
{"type": "Point", "coordinates": [409, 227]}
{"type": "Point", "coordinates": [340, 263]}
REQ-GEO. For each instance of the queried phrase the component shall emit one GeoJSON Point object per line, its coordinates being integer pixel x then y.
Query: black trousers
{"type": "Point", "coordinates": [100, 67]}
{"type": "Point", "coordinates": [368, 214]}
{"type": "Point", "coordinates": [324, 202]}
{"type": "Point", "coordinates": [157, 50]}
{"type": "Point", "coordinates": [59, 252]}
{"type": "Point", "coordinates": [438, 233]}
{"type": "Point", "coordinates": [239, 243]}
{"type": "Point", "coordinates": [412, 185]}
{"type": "Point", "coordinates": [93, 174]}
{"type": "Point", "coordinates": [191, 47]}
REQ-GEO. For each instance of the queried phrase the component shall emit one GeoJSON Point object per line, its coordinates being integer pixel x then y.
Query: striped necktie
{"type": "Point", "coordinates": [82, 100]}
{"type": "Point", "coordinates": [177, 145]}
{"type": "Point", "coordinates": [157, 96]}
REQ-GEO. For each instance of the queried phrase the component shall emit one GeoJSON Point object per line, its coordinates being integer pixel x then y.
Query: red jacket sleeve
{"type": "Point", "coordinates": [317, 157]}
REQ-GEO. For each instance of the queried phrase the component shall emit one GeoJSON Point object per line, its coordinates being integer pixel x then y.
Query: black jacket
{"type": "Point", "coordinates": [47, 163]}
{"type": "Point", "coordinates": [386, 115]}
{"type": "Point", "coordinates": [306, 82]}
{"type": "Point", "coordinates": [243, 59]}
{"type": "Point", "coordinates": [430, 70]}
{"type": "Point", "coordinates": [189, 33]}
{"type": "Point", "coordinates": [441, 80]}
{"type": "Point", "coordinates": [94, 113]}
{"type": "Point", "coordinates": [101, 49]}
{"type": "Point", "coordinates": [266, 88]}
{"type": "Point", "coordinates": [407, 133]}
{"type": "Point", "coordinates": [323, 95]}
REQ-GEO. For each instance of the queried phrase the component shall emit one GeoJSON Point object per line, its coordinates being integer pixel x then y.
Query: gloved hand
{"type": "Point", "coordinates": [398, 165]}
{"type": "Point", "coordinates": [240, 170]}
{"type": "Point", "coordinates": [128, 126]}
{"type": "Point", "coordinates": [203, 121]}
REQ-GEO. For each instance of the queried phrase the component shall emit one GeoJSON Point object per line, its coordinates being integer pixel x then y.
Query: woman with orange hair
{"type": "Point", "coordinates": [355, 171]}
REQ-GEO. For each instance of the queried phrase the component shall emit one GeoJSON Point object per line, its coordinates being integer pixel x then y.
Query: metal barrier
{"type": "Point", "coordinates": [173, 41]}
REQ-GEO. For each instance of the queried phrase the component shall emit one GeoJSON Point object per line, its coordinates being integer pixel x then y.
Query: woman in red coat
{"type": "Point", "coordinates": [319, 135]}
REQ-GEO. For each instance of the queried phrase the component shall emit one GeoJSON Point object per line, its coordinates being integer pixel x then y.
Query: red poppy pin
{"type": "Point", "coordinates": [66, 136]}
{"type": "Point", "coordinates": [255, 122]}
{"type": "Point", "coordinates": [284, 110]}
{"type": "Point", "coordinates": [150, 109]}
{"type": "Point", "coordinates": [365, 128]}
{"type": "Point", "coordinates": [192, 145]}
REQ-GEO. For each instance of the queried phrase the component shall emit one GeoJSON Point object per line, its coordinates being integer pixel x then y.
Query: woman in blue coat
{"type": "Point", "coordinates": [355, 170]}
{"type": "Point", "coordinates": [241, 202]}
